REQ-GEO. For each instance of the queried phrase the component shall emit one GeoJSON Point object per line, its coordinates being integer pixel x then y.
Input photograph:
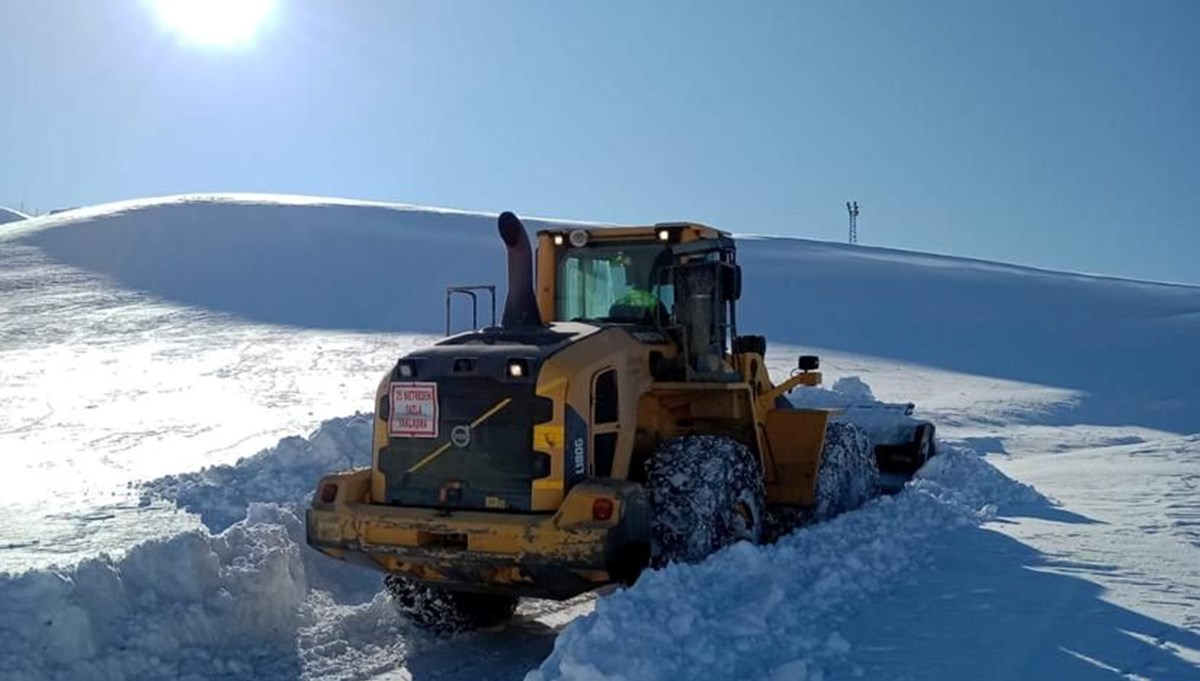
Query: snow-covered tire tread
{"type": "Point", "coordinates": [848, 476]}
{"type": "Point", "coordinates": [706, 492]}
{"type": "Point", "coordinates": [447, 612]}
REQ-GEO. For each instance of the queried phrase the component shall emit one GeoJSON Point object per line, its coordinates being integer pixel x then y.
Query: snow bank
{"type": "Point", "coordinates": [772, 612]}
{"type": "Point", "coordinates": [285, 474]}
{"type": "Point", "coordinates": [191, 606]}
{"type": "Point", "coordinates": [247, 600]}
{"type": "Point", "coordinates": [240, 604]}
{"type": "Point", "coordinates": [252, 601]}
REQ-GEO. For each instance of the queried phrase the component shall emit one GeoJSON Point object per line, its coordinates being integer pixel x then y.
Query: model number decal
{"type": "Point", "coordinates": [580, 453]}
{"type": "Point", "coordinates": [576, 448]}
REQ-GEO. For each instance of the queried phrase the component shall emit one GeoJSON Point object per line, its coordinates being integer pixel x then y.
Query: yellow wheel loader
{"type": "Point", "coordinates": [614, 420]}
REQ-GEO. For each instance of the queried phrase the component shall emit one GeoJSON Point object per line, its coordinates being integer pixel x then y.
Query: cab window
{"type": "Point", "coordinates": [608, 282]}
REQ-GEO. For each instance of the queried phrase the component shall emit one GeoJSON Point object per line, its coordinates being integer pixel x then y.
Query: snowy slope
{"type": "Point", "coordinates": [9, 215]}
{"type": "Point", "coordinates": [143, 341]}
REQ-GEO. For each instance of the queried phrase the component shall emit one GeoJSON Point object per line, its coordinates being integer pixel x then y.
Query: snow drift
{"type": "Point", "coordinates": [284, 474]}
{"type": "Point", "coordinates": [772, 612]}
{"type": "Point", "coordinates": [249, 599]}
{"type": "Point", "coordinates": [182, 607]}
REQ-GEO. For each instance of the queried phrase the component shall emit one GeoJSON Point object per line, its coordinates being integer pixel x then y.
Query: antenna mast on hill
{"type": "Point", "coordinates": [852, 208]}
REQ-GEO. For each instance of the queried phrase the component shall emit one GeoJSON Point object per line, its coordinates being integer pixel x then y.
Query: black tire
{"type": "Point", "coordinates": [848, 476]}
{"type": "Point", "coordinates": [447, 612]}
{"type": "Point", "coordinates": [906, 458]}
{"type": "Point", "coordinates": [924, 442]}
{"type": "Point", "coordinates": [706, 493]}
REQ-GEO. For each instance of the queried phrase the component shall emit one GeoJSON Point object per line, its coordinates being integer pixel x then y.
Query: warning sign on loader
{"type": "Point", "coordinates": [414, 410]}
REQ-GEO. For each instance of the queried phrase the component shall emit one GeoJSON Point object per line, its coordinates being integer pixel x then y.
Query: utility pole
{"type": "Point", "coordinates": [852, 208]}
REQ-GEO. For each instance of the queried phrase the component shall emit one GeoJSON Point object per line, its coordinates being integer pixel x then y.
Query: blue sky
{"type": "Point", "coordinates": [1050, 133]}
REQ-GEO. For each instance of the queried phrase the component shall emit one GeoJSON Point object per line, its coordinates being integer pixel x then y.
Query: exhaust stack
{"type": "Point", "coordinates": [520, 306]}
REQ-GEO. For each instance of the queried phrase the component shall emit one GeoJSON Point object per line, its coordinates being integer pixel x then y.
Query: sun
{"type": "Point", "coordinates": [214, 22]}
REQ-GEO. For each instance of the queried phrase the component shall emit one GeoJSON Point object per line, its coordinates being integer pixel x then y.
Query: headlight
{"type": "Point", "coordinates": [518, 368]}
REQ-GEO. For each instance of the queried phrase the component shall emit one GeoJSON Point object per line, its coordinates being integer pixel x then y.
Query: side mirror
{"type": "Point", "coordinates": [809, 363]}
{"type": "Point", "coordinates": [731, 281]}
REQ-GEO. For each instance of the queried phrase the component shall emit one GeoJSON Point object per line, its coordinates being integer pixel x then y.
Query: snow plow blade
{"type": "Point", "coordinates": [601, 529]}
{"type": "Point", "coordinates": [903, 443]}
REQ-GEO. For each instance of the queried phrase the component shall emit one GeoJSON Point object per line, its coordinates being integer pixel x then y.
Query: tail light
{"type": "Point", "coordinates": [451, 492]}
{"type": "Point", "coordinates": [328, 492]}
{"type": "Point", "coordinates": [602, 509]}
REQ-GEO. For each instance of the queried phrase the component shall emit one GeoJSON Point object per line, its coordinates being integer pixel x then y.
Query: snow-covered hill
{"type": "Point", "coordinates": [9, 215]}
{"type": "Point", "coordinates": [143, 341]}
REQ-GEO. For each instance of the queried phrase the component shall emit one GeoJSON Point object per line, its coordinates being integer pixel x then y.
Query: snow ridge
{"type": "Point", "coordinates": [247, 600]}
{"type": "Point", "coordinates": [770, 612]}
{"type": "Point", "coordinates": [8, 215]}
{"type": "Point", "coordinates": [284, 474]}
{"type": "Point", "coordinates": [163, 611]}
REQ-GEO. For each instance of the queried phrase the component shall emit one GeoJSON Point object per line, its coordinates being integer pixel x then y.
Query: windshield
{"type": "Point", "coordinates": [612, 283]}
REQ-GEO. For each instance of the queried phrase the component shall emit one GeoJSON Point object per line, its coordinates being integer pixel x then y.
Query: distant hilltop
{"type": "Point", "coordinates": [10, 215]}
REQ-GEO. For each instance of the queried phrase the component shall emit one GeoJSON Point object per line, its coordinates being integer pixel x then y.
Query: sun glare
{"type": "Point", "coordinates": [214, 22]}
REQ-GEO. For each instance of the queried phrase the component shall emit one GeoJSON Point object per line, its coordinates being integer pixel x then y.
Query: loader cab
{"type": "Point", "coordinates": [678, 282]}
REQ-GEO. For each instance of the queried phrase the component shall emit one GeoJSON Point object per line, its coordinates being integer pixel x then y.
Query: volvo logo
{"type": "Point", "coordinates": [460, 436]}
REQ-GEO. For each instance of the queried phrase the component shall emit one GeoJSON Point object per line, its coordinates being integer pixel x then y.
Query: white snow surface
{"type": "Point", "coordinates": [284, 474]}
{"type": "Point", "coordinates": [151, 348]}
{"type": "Point", "coordinates": [775, 612]}
{"type": "Point", "coordinates": [9, 215]}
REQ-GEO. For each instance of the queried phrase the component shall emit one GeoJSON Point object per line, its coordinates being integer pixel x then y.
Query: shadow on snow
{"type": "Point", "coordinates": [991, 607]}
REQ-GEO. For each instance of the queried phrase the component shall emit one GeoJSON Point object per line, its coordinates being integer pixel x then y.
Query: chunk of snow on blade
{"type": "Point", "coordinates": [854, 389]}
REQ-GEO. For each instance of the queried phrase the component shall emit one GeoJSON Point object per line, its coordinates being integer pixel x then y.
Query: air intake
{"type": "Point", "coordinates": [520, 306]}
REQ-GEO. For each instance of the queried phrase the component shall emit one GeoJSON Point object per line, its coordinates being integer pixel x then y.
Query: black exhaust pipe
{"type": "Point", "coordinates": [520, 306]}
